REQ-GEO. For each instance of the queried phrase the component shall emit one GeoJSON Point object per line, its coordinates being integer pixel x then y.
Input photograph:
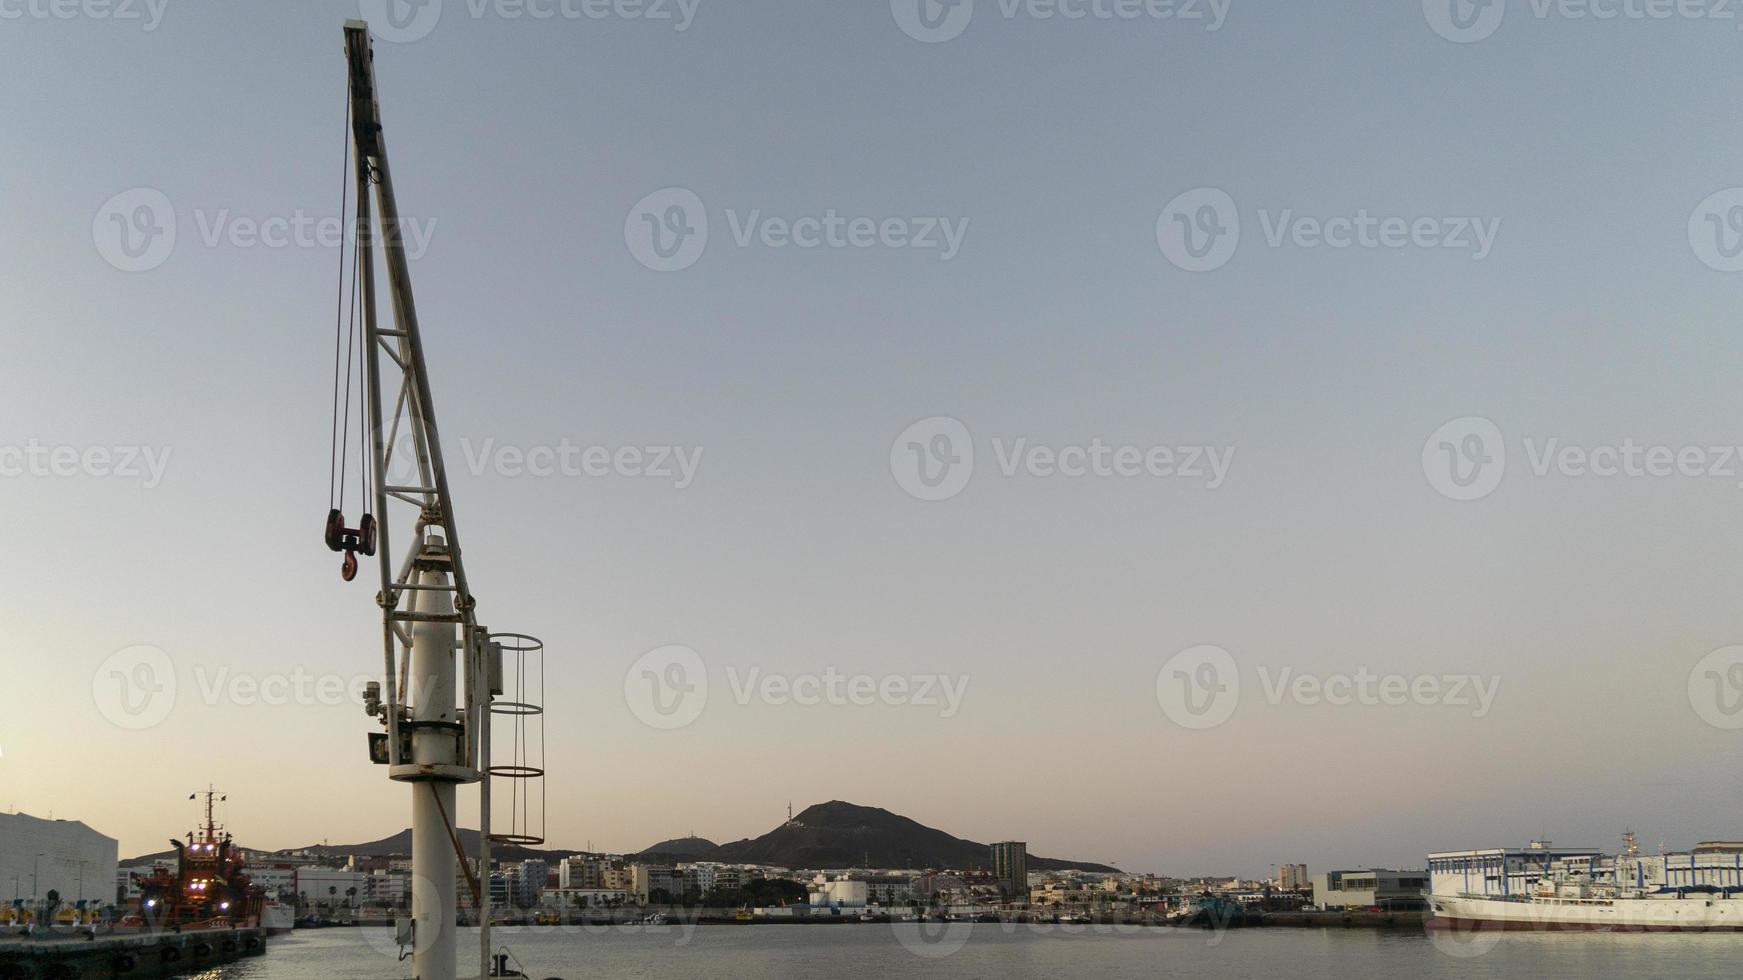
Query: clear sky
{"type": "Point", "coordinates": [1530, 242]}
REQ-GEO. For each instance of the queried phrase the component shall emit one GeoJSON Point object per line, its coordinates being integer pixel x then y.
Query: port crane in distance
{"type": "Point", "coordinates": [436, 725]}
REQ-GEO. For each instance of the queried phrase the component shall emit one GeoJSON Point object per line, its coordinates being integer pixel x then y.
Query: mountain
{"type": "Point", "coordinates": [846, 835]}
{"type": "Point", "coordinates": [684, 848]}
{"type": "Point", "coordinates": [398, 845]}
{"type": "Point", "coordinates": [827, 835]}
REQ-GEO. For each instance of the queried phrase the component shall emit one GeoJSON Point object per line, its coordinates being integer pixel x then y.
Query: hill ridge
{"type": "Point", "coordinates": [835, 834]}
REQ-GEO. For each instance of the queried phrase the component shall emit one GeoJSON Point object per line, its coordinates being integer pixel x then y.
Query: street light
{"type": "Point", "coordinates": [35, 869]}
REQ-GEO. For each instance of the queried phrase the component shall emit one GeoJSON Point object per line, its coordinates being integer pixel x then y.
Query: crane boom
{"type": "Point", "coordinates": [436, 730]}
{"type": "Point", "coordinates": [403, 345]}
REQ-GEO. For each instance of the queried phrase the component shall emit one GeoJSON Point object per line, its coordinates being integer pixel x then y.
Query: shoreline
{"type": "Point", "coordinates": [1414, 921]}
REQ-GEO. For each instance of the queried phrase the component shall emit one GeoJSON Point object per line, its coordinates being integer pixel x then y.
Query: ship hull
{"type": "Point", "coordinates": [276, 919]}
{"type": "Point", "coordinates": [1620, 915]}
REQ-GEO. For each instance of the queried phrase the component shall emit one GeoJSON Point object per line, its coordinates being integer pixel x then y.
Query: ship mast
{"type": "Point", "coordinates": [211, 822]}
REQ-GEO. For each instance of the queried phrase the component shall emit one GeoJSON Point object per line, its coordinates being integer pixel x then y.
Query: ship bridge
{"type": "Point", "coordinates": [1504, 872]}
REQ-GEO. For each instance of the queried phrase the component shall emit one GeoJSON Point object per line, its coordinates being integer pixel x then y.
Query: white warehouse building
{"type": "Point", "coordinates": [64, 856]}
{"type": "Point", "coordinates": [332, 887]}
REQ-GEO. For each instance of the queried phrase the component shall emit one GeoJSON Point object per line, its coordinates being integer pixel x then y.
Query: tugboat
{"type": "Point", "coordinates": [1210, 912]}
{"type": "Point", "coordinates": [208, 889]}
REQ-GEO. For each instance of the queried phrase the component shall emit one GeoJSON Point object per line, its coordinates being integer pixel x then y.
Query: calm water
{"type": "Point", "coordinates": [874, 951]}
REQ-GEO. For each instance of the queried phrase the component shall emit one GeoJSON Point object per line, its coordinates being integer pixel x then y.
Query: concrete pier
{"type": "Point", "coordinates": [1343, 920]}
{"type": "Point", "coordinates": [136, 955]}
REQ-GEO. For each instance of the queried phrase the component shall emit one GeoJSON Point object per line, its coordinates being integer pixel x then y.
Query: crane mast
{"type": "Point", "coordinates": [436, 730]}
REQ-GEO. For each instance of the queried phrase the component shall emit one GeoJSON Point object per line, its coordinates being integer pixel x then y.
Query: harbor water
{"type": "Point", "coordinates": [921, 951]}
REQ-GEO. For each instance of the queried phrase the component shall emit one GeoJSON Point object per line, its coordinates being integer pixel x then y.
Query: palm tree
{"type": "Point", "coordinates": [332, 899]}
{"type": "Point", "coordinates": [351, 897]}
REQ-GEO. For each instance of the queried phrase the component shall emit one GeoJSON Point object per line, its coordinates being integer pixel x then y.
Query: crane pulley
{"type": "Point", "coordinates": [351, 540]}
{"type": "Point", "coordinates": [346, 319]}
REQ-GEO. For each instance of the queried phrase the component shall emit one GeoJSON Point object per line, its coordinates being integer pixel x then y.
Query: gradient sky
{"type": "Point", "coordinates": [1591, 321]}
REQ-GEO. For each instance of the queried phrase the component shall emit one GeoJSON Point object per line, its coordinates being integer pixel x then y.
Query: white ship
{"type": "Point", "coordinates": [277, 918]}
{"type": "Point", "coordinates": [1548, 889]}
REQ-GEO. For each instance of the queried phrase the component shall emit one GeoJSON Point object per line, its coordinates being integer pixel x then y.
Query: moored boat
{"type": "Point", "coordinates": [1573, 906]}
{"type": "Point", "coordinates": [1541, 888]}
{"type": "Point", "coordinates": [207, 890]}
{"type": "Point", "coordinates": [276, 918]}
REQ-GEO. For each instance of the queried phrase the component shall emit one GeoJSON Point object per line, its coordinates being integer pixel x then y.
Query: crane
{"type": "Point", "coordinates": [436, 727]}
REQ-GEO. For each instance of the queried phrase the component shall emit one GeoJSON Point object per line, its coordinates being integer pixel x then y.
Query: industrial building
{"type": "Point", "coordinates": [66, 857]}
{"type": "Point", "coordinates": [839, 893]}
{"type": "Point", "coordinates": [1393, 891]}
{"type": "Point", "coordinates": [331, 888]}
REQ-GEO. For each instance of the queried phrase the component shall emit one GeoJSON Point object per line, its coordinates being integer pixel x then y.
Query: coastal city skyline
{"type": "Point", "coordinates": [914, 868]}
{"type": "Point", "coordinates": [1251, 870]}
{"type": "Point", "coordinates": [1184, 444]}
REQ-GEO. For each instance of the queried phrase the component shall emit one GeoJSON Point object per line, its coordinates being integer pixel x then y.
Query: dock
{"type": "Point", "coordinates": [136, 955]}
{"type": "Point", "coordinates": [1342, 920]}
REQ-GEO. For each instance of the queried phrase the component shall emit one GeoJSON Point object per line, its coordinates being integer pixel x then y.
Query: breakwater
{"type": "Point", "coordinates": [136, 956]}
